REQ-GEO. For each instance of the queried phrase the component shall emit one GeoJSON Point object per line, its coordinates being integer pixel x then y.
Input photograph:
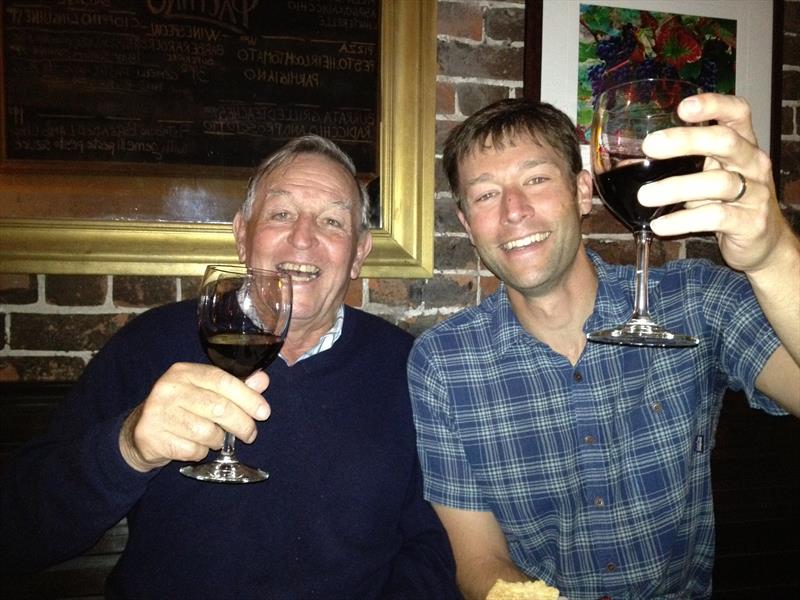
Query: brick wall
{"type": "Point", "coordinates": [50, 325]}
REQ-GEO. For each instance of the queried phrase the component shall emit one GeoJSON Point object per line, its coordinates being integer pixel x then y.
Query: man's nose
{"type": "Point", "coordinates": [303, 232]}
{"type": "Point", "coordinates": [515, 205]}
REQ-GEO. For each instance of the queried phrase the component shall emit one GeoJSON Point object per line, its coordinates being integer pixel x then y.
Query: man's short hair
{"type": "Point", "coordinates": [505, 121]}
{"type": "Point", "coordinates": [307, 144]}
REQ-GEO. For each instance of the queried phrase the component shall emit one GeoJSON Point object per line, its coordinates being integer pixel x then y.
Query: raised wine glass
{"type": "Point", "coordinates": [623, 116]}
{"type": "Point", "coordinates": [243, 316]}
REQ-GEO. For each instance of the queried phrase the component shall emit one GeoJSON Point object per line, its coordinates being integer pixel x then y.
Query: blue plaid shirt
{"type": "Point", "coordinates": [598, 473]}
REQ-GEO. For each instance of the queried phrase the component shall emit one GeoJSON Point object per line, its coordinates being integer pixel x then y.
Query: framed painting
{"type": "Point", "coordinates": [568, 44]}
{"type": "Point", "coordinates": [157, 216]}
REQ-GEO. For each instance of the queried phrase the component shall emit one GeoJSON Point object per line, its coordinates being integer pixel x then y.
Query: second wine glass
{"type": "Point", "coordinates": [624, 115]}
{"type": "Point", "coordinates": [243, 316]}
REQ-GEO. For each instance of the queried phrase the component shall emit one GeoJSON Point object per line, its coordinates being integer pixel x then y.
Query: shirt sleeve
{"type": "Point", "coordinates": [447, 475]}
{"type": "Point", "coordinates": [65, 489]}
{"type": "Point", "coordinates": [746, 339]}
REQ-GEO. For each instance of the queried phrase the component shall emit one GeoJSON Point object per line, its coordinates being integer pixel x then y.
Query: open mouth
{"type": "Point", "coordinates": [526, 241]}
{"type": "Point", "coordinates": [299, 271]}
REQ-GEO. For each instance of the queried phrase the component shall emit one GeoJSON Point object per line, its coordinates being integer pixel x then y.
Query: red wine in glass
{"type": "Point", "coordinates": [624, 115]}
{"type": "Point", "coordinates": [619, 187]}
{"type": "Point", "coordinates": [242, 353]}
{"type": "Point", "coordinates": [243, 316]}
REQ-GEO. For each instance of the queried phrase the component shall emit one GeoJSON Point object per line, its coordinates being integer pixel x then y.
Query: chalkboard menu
{"type": "Point", "coordinates": [183, 82]}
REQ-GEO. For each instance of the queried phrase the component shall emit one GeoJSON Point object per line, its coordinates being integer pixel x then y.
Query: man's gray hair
{"type": "Point", "coordinates": [307, 144]}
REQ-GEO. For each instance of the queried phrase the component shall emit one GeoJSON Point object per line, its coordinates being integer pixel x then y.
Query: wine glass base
{"type": "Point", "coordinates": [642, 333]}
{"type": "Point", "coordinates": [224, 471]}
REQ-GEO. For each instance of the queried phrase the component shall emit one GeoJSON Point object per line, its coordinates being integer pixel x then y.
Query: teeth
{"type": "Point", "coordinates": [526, 241]}
{"type": "Point", "coordinates": [302, 271]}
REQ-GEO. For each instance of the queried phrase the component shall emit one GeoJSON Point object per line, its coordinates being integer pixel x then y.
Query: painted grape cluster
{"type": "Point", "coordinates": [618, 45]}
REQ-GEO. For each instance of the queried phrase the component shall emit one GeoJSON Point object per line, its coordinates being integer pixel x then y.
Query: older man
{"type": "Point", "coordinates": [342, 515]}
{"type": "Point", "coordinates": [583, 464]}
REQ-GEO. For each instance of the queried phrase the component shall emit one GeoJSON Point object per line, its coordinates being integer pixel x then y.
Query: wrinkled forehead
{"type": "Point", "coordinates": [312, 173]}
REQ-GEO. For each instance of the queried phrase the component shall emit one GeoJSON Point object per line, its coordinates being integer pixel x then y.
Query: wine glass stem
{"type": "Point", "coordinates": [227, 445]}
{"type": "Point", "coordinates": [643, 238]}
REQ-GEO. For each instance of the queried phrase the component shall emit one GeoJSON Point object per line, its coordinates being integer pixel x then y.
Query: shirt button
{"type": "Point", "coordinates": [577, 376]}
{"type": "Point", "coordinates": [589, 439]}
{"type": "Point", "coordinates": [611, 567]}
{"type": "Point", "coordinates": [598, 501]}
{"type": "Point", "coordinates": [656, 407]}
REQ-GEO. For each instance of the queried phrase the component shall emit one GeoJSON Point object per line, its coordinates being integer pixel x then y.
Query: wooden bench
{"type": "Point", "coordinates": [756, 480]}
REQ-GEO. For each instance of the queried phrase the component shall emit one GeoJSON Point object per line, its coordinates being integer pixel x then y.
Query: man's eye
{"type": "Point", "coordinates": [280, 215]}
{"type": "Point", "coordinates": [484, 197]}
{"type": "Point", "coordinates": [536, 180]}
{"type": "Point", "coordinates": [333, 223]}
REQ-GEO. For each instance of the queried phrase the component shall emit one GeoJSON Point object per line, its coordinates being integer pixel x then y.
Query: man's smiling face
{"type": "Point", "coordinates": [522, 211]}
{"type": "Point", "coordinates": [306, 221]}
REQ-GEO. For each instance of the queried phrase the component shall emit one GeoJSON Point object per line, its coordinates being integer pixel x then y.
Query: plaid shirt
{"type": "Point", "coordinates": [598, 473]}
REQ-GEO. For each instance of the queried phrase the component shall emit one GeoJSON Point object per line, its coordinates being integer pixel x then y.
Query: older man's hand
{"type": "Point", "coordinates": [187, 412]}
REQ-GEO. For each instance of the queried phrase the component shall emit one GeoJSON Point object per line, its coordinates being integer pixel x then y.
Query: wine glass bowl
{"type": "Point", "coordinates": [624, 115]}
{"type": "Point", "coordinates": [243, 316]}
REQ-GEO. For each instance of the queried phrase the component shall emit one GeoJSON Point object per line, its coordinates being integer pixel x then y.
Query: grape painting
{"type": "Point", "coordinates": [617, 45]}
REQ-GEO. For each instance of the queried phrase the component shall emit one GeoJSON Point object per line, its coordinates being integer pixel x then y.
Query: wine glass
{"type": "Point", "coordinates": [243, 316]}
{"type": "Point", "coordinates": [624, 115]}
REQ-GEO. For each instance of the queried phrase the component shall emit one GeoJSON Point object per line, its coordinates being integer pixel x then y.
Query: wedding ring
{"type": "Point", "coordinates": [742, 189]}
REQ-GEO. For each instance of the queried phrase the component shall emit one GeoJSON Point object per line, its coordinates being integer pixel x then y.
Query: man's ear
{"type": "Point", "coordinates": [363, 248]}
{"type": "Point", "coordinates": [585, 191]}
{"type": "Point", "coordinates": [465, 224]}
{"type": "Point", "coordinates": [240, 234]}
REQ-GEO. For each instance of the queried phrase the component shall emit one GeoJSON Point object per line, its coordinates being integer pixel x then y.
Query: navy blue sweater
{"type": "Point", "coordinates": [341, 516]}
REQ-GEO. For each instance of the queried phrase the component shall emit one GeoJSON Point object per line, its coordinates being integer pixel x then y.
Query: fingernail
{"type": "Point", "coordinates": [252, 437]}
{"type": "Point", "coordinates": [691, 105]}
{"type": "Point", "coordinates": [262, 412]}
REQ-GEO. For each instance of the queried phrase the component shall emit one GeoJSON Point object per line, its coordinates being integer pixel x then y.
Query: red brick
{"type": "Point", "coordinates": [144, 291]}
{"type": "Point", "coordinates": [190, 286]}
{"type": "Point", "coordinates": [355, 293]}
{"type": "Point", "coordinates": [445, 216]}
{"type": "Point", "coordinates": [624, 253]}
{"type": "Point", "coordinates": [791, 16]}
{"type": "Point", "coordinates": [489, 285]}
{"type": "Point", "coordinates": [506, 24]}
{"type": "Point", "coordinates": [452, 253]}
{"type": "Point", "coordinates": [18, 289]}
{"type": "Point", "coordinates": [461, 20]}
{"type": "Point", "coordinates": [445, 98]}
{"type": "Point", "coordinates": [390, 292]}
{"type": "Point", "coordinates": [474, 96]}
{"type": "Point", "coordinates": [40, 368]}
{"type": "Point", "coordinates": [63, 332]}
{"type": "Point", "coordinates": [76, 290]}
{"type": "Point", "coordinates": [443, 129]}
{"type": "Point", "coordinates": [787, 120]}
{"type": "Point", "coordinates": [602, 221]}
{"type": "Point", "coordinates": [495, 62]}
{"type": "Point", "coordinates": [417, 324]}
{"type": "Point", "coordinates": [790, 85]}
{"type": "Point", "coordinates": [445, 291]}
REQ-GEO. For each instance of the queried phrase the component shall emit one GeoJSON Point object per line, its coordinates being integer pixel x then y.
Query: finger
{"type": "Point", "coordinates": [229, 388]}
{"type": "Point", "coordinates": [727, 110]}
{"type": "Point", "coordinates": [207, 412]}
{"type": "Point", "coordinates": [717, 184]}
{"type": "Point", "coordinates": [717, 141]}
{"type": "Point", "coordinates": [257, 381]}
{"type": "Point", "coordinates": [704, 218]}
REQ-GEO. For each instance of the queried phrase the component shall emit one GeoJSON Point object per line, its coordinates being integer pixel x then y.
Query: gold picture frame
{"type": "Point", "coordinates": [403, 245]}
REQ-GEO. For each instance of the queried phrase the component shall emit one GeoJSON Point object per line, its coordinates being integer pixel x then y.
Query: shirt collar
{"type": "Point", "coordinates": [328, 339]}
